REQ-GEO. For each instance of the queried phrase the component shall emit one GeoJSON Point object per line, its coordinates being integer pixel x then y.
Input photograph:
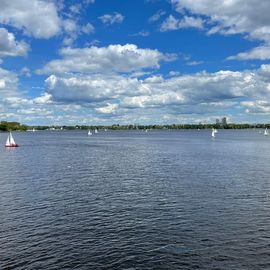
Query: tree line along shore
{"type": "Point", "coordinates": [15, 126]}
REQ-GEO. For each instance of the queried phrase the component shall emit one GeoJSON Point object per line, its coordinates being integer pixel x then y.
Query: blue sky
{"type": "Point", "coordinates": [144, 61]}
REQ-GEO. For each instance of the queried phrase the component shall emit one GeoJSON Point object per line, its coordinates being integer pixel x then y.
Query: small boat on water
{"type": "Point", "coordinates": [266, 133]}
{"type": "Point", "coordinates": [89, 133]}
{"type": "Point", "coordinates": [10, 141]}
{"type": "Point", "coordinates": [214, 131]}
{"type": "Point", "coordinates": [96, 131]}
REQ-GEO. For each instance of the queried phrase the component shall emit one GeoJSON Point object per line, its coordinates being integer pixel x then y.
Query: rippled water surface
{"type": "Point", "coordinates": [135, 200]}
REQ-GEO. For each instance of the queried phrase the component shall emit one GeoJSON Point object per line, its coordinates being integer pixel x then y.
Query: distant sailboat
{"type": "Point", "coordinates": [89, 133]}
{"type": "Point", "coordinates": [96, 131]}
{"type": "Point", "coordinates": [10, 141]}
{"type": "Point", "coordinates": [214, 131]}
{"type": "Point", "coordinates": [266, 133]}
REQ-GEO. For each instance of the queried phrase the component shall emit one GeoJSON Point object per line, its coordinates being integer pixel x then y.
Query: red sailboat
{"type": "Point", "coordinates": [10, 141]}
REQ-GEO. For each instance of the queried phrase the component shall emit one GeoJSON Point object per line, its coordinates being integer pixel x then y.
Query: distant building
{"type": "Point", "coordinates": [221, 122]}
{"type": "Point", "coordinates": [224, 121]}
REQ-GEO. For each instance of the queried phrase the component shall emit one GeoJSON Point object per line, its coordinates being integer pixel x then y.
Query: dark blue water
{"type": "Point", "coordinates": [135, 200]}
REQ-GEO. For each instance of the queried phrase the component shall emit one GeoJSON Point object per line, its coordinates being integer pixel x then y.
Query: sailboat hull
{"type": "Point", "coordinates": [11, 145]}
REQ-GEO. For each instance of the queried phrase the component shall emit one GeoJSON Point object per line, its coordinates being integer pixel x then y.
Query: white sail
{"type": "Point", "coordinates": [266, 132]}
{"type": "Point", "coordinates": [89, 133]}
{"type": "Point", "coordinates": [8, 141]}
{"type": "Point", "coordinates": [213, 133]}
{"type": "Point", "coordinates": [96, 131]}
{"type": "Point", "coordinates": [11, 140]}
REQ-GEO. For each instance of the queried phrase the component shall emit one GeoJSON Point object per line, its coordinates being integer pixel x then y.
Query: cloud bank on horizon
{"type": "Point", "coordinates": [107, 62]}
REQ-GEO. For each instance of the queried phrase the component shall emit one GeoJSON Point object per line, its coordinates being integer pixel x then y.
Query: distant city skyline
{"type": "Point", "coordinates": [103, 62]}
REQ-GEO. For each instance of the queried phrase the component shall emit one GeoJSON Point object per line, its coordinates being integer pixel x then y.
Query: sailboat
{"type": "Point", "coordinates": [10, 141]}
{"type": "Point", "coordinates": [266, 133]}
{"type": "Point", "coordinates": [214, 131]}
{"type": "Point", "coordinates": [89, 133]}
{"type": "Point", "coordinates": [96, 131]}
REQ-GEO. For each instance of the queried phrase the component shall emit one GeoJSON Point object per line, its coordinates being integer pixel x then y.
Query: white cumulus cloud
{"type": "Point", "coordinates": [2, 84]}
{"type": "Point", "coordinates": [227, 17]}
{"type": "Point", "coordinates": [114, 58]}
{"type": "Point", "coordinates": [8, 83]}
{"type": "Point", "coordinates": [102, 98]}
{"type": "Point", "coordinates": [171, 23]}
{"type": "Point", "coordinates": [9, 46]}
{"type": "Point", "coordinates": [108, 109]}
{"type": "Point", "coordinates": [260, 53]}
{"type": "Point", "coordinates": [73, 97]}
{"type": "Point", "coordinates": [37, 18]}
{"type": "Point", "coordinates": [233, 16]}
{"type": "Point", "coordinates": [199, 93]}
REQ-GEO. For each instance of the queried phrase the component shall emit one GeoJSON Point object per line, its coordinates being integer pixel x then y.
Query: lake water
{"type": "Point", "coordinates": [135, 200]}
